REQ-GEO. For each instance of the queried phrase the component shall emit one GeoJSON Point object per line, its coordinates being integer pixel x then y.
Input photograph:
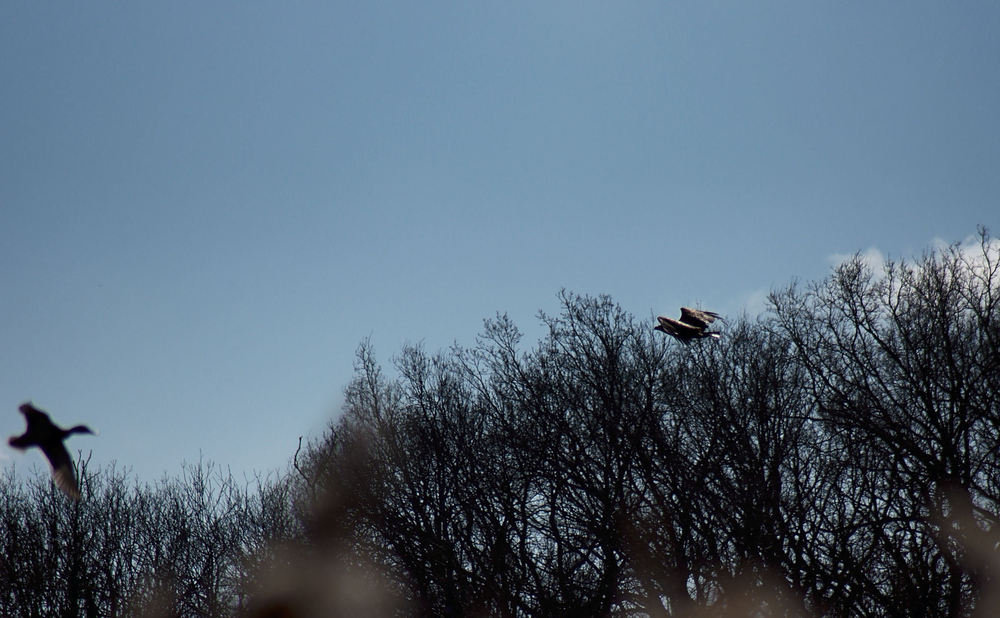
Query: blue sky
{"type": "Point", "coordinates": [204, 207]}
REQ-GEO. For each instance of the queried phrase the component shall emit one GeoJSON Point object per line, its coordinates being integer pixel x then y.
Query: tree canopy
{"type": "Point", "coordinates": [836, 455]}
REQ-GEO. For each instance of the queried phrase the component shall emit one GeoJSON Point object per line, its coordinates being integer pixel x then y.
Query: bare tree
{"type": "Point", "coordinates": [604, 472]}
{"type": "Point", "coordinates": [182, 547]}
{"type": "Point", "coordinates": [904, 365]}
{"type": "Point", "coordinates": [836, 456]}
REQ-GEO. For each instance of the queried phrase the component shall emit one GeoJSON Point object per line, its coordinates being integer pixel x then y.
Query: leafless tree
{"type": "Point", "coordinates": [836, 456]}
{"type": "Point", "coordinates": [904, 365]}
{"type": "Point", "coordinates": [181, 547]}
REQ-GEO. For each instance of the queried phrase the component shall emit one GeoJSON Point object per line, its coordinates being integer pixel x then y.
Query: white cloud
{"type": "Point", "coordinates": [971, 249]}
{"type": "Point", "coordinates": [755, 302]}
{"type": "Point", "coordinates": [871, 257]}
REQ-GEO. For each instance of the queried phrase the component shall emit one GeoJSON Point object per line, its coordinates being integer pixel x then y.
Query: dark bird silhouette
{"type": "Point", "coordinates": [48, 436]}
{"type": "Point", "coordinates": [692, 325]}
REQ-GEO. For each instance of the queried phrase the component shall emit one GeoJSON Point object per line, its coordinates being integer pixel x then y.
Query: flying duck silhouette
{"type": "Point", "coordinates": [48, 436]}
{"type": "Point", "coordinates": [692, 325]}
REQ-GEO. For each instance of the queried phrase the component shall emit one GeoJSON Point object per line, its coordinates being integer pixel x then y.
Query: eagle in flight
{"type": "Point", "coordinates": [692, 325]}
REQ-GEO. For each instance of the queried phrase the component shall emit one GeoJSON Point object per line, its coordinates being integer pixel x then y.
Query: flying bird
{"type": "Point", "coordinates": [692, 325]}
{"type": "Point", "coordinates": [48, 436]}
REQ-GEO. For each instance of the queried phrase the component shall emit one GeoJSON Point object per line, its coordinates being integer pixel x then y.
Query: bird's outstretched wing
{"type": "Point", "coordinates": [697, 317]}
{"type": "Point", "coordinates": [62, 469]}
{"type": "Point", "coordinates": [21, 443]}
{"type": "Point", "coordinates": [677, 329]}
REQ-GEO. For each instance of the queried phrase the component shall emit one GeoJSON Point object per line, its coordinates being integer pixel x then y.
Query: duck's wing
{"type": "Point", "coordinates": [20, 442]}
{"type": "Point", "coordinates": [39, 424]}
{"type": "Point", "coordinates": [33, 414]}
{"type": "Point", "coordinates": [24, 440]}
{"type": "Point", "coordinates": [62, 468]}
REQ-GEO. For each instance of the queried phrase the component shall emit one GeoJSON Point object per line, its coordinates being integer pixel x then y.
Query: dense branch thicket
{"type": "Point", "coordinates": [836, 456]}
{"type": "Point", "coordinates": [188, 546]}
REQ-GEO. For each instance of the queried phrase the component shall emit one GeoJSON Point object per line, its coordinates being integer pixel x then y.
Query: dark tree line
{"type": "Point", "coordinates": [187, 546]}
{"type": "Point", "coordinates": [835, 456]}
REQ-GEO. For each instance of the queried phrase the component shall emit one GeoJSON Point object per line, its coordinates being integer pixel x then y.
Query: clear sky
{"type": "Point", "coordinates": [205, 206]}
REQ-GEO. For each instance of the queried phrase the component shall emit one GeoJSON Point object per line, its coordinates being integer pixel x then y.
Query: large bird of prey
{"type": "Point", "coordinates": [692, 325]}
{"type": "Point", "coordinates": [48, 436]}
